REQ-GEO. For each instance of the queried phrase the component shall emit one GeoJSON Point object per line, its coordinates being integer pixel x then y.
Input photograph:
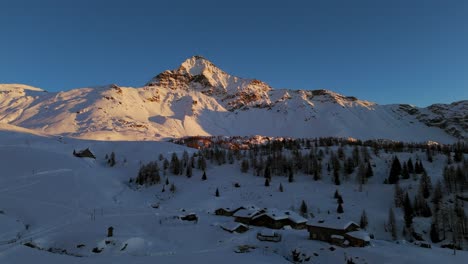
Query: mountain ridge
{"type": "Point", "coordinates": [199, 98]}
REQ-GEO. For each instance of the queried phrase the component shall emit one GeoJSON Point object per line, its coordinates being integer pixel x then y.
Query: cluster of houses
{"type": "Point", "coordinates": [333, 230]}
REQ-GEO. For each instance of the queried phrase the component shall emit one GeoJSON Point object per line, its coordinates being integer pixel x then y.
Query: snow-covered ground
{"type": "Point", "coordinates": [53, 200]}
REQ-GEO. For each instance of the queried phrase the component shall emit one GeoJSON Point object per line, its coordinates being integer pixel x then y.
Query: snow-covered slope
{"type": "Point", "coordinates": [198, 98]}
{"type": "Point", "coordinates": [61, 206]}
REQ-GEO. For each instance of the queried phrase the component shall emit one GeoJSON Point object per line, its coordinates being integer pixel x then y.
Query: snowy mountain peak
{"type": "Point", "coordinates": [199, 74]}
{"type": "Point", "coordinates": [198, 65]}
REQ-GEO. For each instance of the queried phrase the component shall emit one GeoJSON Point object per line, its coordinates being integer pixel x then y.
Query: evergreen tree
{"type": "Point", "coordinates": [267, 182]}
{"type": "Point", "coordinates": [148, 174]}
{"type": "Point", "coordinates": [267, 173]}
{"type": "Point", "coordinates": [339, 200]}
{"type": "Point", "coordinates": [336, 195]}
{"type": "Point", "coordinates": [111, 160]}
{"type": "Point", "coordinates": [363, 223]}
{"type": "Point", "coordinates": [404, 172]}
{"type": "Point", "coordinates": [204, 178]}
{"type": "Point", "coordinates": [172, 188]}
{"type": "Point", "coordinates": [185, 159]}
{"type": "Point", "coordinates": [303, 208]}
{"type": "Point", "coordinates": [339, 209]}
{"type": "Point", "coordinates": [425, 185]}
{"type": "Point", "coordinates": [244, 166]}
{"type": "Point", "coordinates": [290, 175]}
{"type": "Point", "coordinates": [408, 211]}
{"type": "Point", "coordinates": [395, 171]}
{"type": "Point", "coordinates": [217, 192]}
{"type": "Point", "coordinates": [429, 155]}
{"type": "Point", "coordinates": [336, 177]}
{"type": "Point", "coordinates": [188, 171]}
{"type": "Point", "coordinates": [201, 163]}
{"type": "Point", "coordinates": [410, 166]}
{"type": "Point", "coordinates": [438, 194]}
{"type": "Point", "coordinates": [165, 164]}
{"type": "Point", "coordinates": [175, 164]}
{"type": "Point", "coordinates": [398, 196]}
{"type": "Point", "coordinates": [369, 171]}
{"type": "Point", "coordinates": [361, 175]}
{"type": "Point", "coordinates": [391, 225]}
{"type": "Point", "coordinates": [434, 232]}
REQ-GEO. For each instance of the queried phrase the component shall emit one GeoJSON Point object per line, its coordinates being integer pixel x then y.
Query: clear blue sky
{"type": "Point", "coordinates": [412, 51]}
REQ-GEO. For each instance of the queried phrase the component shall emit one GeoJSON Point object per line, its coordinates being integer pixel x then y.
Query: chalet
{"type": "Point", "coordinates": [339, 232]}
{"type": "Point", "coordinates": [358, 238]}
{"type": "Point", "coordinates": [228, 211]}
{"type": "Point", "coordinates": [270, 219]}
{"type": "Point", "coordinates": [245, 216]}
{"type": "Point", "coordinates": [276, 219]}
{"type": "Point", "coordinates": [295, 220]}
{"type": "Point", "coordinates": [235, 227]}
{"type": "Point", "coordinates": [85, 153]}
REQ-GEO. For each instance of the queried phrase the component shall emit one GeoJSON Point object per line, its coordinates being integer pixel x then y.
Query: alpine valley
{"type": "Point", "coordinates": [199, 166]}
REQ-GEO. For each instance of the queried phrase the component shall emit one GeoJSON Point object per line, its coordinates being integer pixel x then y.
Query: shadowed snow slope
{"type": "Point", "coordinates": [198, 98]}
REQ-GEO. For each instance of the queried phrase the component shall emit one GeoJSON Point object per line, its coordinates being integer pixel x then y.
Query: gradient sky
{"type": "Point", "coordinates": [384, 51]}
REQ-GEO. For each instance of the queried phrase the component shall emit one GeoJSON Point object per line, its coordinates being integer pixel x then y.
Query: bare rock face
{"type": "Point", "coordinates": [452, 118]}
{"type": "Point", "coordinates": [199, 74]}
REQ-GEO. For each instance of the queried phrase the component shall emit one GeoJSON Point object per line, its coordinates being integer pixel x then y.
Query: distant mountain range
{"type": "Point", "coordinates": [198, 98]}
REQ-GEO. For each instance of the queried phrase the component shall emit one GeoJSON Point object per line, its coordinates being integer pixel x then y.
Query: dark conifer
{"type": "Point", "coordinates": [204, 178]}
{"type": "Point", "coordinates": [408, 211]}
{"type": "Point", "coordinates": [339, 209]}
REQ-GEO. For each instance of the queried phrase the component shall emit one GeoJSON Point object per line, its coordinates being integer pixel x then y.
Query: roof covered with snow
{"type": "Point", "coordinates": [360, 234]}
{"type": "Point", "coordinates": [333, 223]}
{"type": "Point", "coordinates": [230, 226]}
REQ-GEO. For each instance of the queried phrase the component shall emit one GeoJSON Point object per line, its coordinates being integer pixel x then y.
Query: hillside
{"type": "Point", "coordinates": [198, 98]}
{"type": "Point", "coordinates": [57, 208]}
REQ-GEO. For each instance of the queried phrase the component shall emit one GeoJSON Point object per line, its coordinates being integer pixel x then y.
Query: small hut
{"type": "Point", "coordinates": [189, 217]}
{"type": "Point", "coordinates": [85, 153]}
{"type": "Point", "coordinates": [324, 229]}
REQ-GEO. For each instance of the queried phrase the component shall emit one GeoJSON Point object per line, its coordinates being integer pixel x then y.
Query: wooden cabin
{"type": "Point", "coordinates": [295, 220]}
{"type": "Point", "coordinates": [245, 216]}
{"type": "Point", "coordinates": [270, 219]}
{"type": "Point", "coordinates": [276, 219]}
{"type": "Point", "coordinates": [227, 211]}
{"type": "Point", "coordinates": [339, 232]}
{"type": "Point", "coordinates": [358, 238]}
